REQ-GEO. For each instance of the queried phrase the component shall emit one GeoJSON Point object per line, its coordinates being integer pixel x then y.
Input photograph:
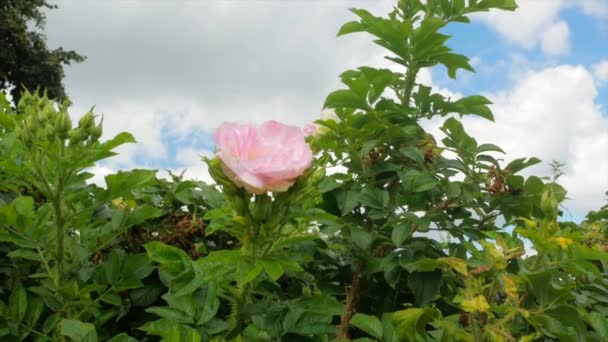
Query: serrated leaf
{"type": "Point", "coordinates": [78, 331]}
{"type": "Point", "coordinates": [412, 322]}
{"type": "Point", "coordinates": [369, 324]}
{"type": "Point", "coordinates": [24, 254]}
{"type": "Point", "coordinates": [456, 264]}
{"type": "Point", "coordinates": [171, 314]}
{"type": "Point", "coordinates": [17, 303]}
{"type": "Point", "coordinates": [273, 269]}
{"type": "Point", "coordinates": [475, 304]}
{"type": "Point", "coordinates": [345, 98]}
{"type": "Point", "coordinates": [401, 232]}
{"type": "Point", "coordinates": [599, 323]}
{"type": "Point", "coordinates": [162, 253]}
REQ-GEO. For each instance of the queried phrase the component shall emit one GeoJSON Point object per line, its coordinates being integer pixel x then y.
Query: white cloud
{"type": "Point", "coordinates": [190, 161]}
{"type": "Point", "coordinates": [526, 25]}
{"type": "Point", "coordinates": [556, 39]}
{"type": "Point", "coordinates": [536, 23]}
{"type": "Point", "coordinates": [551, 114]}
{"type": "Point", "coordinates": [600, 71]}
{"type": "Point", "coordinates": [596, 8]}
{"type": "Point", "coordinates": [99, 174]}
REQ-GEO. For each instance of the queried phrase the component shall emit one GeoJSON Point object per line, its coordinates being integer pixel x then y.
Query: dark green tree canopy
{"type": "Point", "coordinates": [25, 59]}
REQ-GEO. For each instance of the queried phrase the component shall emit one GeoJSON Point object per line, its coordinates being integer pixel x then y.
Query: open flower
{"type": "Point", "coordinates": [262, 158]}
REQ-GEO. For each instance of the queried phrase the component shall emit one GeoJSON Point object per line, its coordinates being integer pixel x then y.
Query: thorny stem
{"type": "Point", "coordinates": [352, 300]}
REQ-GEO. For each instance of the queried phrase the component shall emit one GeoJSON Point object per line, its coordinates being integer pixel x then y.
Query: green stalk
{"type": "Point", "coordinates": [410, 81]}
{"type": "Point", "coordinates": [60, 220]}
{"type": "Point", "coordinates": [60, 253]}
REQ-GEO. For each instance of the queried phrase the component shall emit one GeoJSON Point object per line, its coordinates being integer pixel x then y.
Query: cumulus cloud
{"type": "Point", "coordinates": [600, 71]}
{"type": "Point", "coordinates": [595, 8]}
{"type": "Point", "coordinates": [537, 24]}
{"type": "Point", "coordinates": [526, 26]}
{"type": "Point", "coordinates": [556, 39]}
{"type": "Point", "coordinates": [191, 164]}
{"type": "Point", "coordinates": [552, 114]}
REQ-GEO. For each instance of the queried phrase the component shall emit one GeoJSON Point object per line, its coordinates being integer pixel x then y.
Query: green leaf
{"type": "Point", "coordinates": [347, 201]}
{"type": "Point", "coordinates": [374, 198]}
{"type": "Point", "coordinates": [143, 213]}
{"type": "Point", "coordinates": [35, 307]}
{"type": "Point", "coordinates": [599, 323]}
{"type": "Point", "coordinates": [162, 253]}
{"type": "Point", "coordinates": [24, 254]}
{"type": "Point", "coordinates": [145, 296]}
{"type": "Point", "coordinates": [412, 322]}
{"type": "Point", "coordinates": [78, 331]}
{"type": "Point", "coordinates": [508, 5]}
{"type": "Point", "coordinates": [534, 185]}
{"type": "Point", "coordinates": [328, 184]}
{"type": "Point", "coordinates": [477, 105]}
{"type": "Point", "coordinates": [547, 289]}
{"type": "Point", "coordinates": [185, 303]}
{"type": "Point", "coordinates": [122, 183]}
{"type": "Point", "coordinates": [453, 62]}
{"type": "Point", "coordinates": [519, 164]}
{"type": "Point", "coordinates": [17, 303]}
{"type": "Point", "coordinates": [170, 313]}
{"type": "Point", "coordinates": [388, 329]}
{"type": "Point", "coordinates": [351, 27]}
{"type": "Point", "coordinates": [369, 324]}
{"type": "Point", "coordinates": [122, 338]}
{"type": "Point", "coordinates": [171, 331]}
{"type": "Point", "coordinates": [24, 206]}
{"type": "Point", "coordinates": [273, 268]}
{"type": "Point", "coordinates": [562, 322]}
{"type": "Point", "coordinates": [401, 232]}
{"type": "Point", "coordinates": [515, 182]}
{"type": "Point", "coordinates": [425, 285]}
{"type": "Point", "coordinates": [414, 153]}
{"type": "Point", "coordinates": [489, 147]}
{"type": "Point", "coordinates": [120, 139]}
{"type": "Point", "coordinates": [210, 304]}
{"type": "Point", "coordinates": [250, 273]}
{"type": "Point", "coordinates": [137, 266]}
{"type": "Point", "coordinates": [360, 237]}
{"type": "Point", "coordinates": [345, 98]}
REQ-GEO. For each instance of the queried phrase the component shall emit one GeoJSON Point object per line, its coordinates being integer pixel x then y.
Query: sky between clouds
{"type": "Point", "coordinates": [171, 71]}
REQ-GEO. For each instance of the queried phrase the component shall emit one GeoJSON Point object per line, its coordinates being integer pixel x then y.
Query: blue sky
{"type": "Point", "coordinates": [172, 71]}
{"type": "Point", "coordinates": [588, 44]}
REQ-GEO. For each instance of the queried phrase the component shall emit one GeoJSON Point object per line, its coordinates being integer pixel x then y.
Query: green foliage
{"type": "Point", "coordinates": [414, 240]}
{"type": "Point", "coordinates": [25, 59]}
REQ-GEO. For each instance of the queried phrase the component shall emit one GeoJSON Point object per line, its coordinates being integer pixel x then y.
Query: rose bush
{"type": "Point", "coordinates": [262, 158]}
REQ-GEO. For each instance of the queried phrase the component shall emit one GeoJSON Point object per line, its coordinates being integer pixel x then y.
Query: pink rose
{"type": "Point", "coordinates": [262, 158]}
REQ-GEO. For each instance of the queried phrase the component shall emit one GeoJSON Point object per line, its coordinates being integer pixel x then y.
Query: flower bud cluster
{"type": "Point", "coordinates": [43, 121]}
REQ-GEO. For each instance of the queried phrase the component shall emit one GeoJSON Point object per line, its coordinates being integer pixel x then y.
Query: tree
{"type": "Point", "coordinates": [25, 59]}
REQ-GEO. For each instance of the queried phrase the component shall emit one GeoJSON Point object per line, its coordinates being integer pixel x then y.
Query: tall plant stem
{"type": "Point", "coordinates": [410, 81]}
{"type": "Point", "coordinates": [60, 253]}
{"type": "Point", "coordinates": [60, 219]}
{"type": "Point", "coordinates": [352, 300]}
